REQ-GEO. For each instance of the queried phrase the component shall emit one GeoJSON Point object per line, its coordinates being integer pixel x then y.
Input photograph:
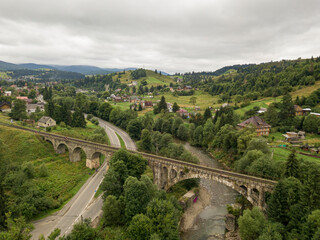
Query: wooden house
{"type": "Point", "coordinates": [262, 128]}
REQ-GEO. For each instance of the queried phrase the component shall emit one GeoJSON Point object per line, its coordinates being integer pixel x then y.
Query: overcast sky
{"type": "Point", "coordinates": [170, 35]}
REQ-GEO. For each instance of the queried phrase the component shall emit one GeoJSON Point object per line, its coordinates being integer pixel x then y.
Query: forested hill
{"type": "Point", "coordinates": [267, 79]}
{"type": "Point", "coordinates": [44, 75]}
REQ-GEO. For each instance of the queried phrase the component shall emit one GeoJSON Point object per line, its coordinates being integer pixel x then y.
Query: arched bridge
{"type": "Point", "coordinates": [166, 171]}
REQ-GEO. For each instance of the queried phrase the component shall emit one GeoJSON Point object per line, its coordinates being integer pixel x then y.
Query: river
{"type": "Point", "coordinates": [210, 223]}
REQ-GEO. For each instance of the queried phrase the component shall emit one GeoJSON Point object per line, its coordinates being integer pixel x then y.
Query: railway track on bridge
{"type": "Point", "coordinates": [150, 156]}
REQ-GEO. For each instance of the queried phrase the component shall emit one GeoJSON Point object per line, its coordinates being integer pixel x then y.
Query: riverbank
{"type": "Point", "coordinates": [190, 215]}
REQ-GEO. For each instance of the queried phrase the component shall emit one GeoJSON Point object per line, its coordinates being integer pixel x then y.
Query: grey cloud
{"type": "Point", "coordinates": [172, 35]}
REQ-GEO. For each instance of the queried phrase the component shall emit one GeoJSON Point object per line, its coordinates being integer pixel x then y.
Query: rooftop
{"type": "Point", "coordinates": [255, 121]}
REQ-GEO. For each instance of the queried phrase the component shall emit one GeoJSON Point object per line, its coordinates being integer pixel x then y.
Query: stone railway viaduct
{"type": "Point", "coordinates": [166, 171]}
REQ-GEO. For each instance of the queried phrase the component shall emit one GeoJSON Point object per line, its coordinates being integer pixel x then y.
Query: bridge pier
{"type": "Point", "coordinates": [92, 163]}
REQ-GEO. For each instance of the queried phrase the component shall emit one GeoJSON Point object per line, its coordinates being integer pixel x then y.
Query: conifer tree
{"type": "Point", "coordinates": [207, 114]}
{"type": "Point", "coordinates": [175, 107]}
{"type": "Point", "coordinates": [292, 166]}
{"type": "Point", "coordinates": [162, 104]}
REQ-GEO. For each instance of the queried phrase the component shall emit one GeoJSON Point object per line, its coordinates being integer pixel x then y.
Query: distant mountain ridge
{"type": "Point", "coordinates": [83, 69]}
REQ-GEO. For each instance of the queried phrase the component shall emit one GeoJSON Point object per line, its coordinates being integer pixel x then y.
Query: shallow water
{"type": "Point", "coordinates": [210, 223]}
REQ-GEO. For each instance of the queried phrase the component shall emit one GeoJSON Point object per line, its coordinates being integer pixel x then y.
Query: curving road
{"type": "Point", "coordinates": [82, 205]}
{"type": "Point", "coordinates": [111, 131]}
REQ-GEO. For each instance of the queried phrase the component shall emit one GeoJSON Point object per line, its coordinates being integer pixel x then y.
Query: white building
{"type": "Point", "coordinates": [7, 93]}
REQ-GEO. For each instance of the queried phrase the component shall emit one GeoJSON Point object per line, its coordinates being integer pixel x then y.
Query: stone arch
{"type": "Point", "coordinates": [173, 173]}
{"type": "Point", "coordinates": [61, 148]}
{"type": "Point", "coordinates": [49, 141]}
{"type": "Point", "coordinates": [255, 194]}
{"type": "Point", "coordinates": [242, 189]}
{"type": "Point", "coordinates": [75, 154]}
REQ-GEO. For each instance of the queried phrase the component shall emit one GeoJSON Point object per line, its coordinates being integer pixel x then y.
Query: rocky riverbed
{"type": "Point", "coordinates": [206, 218]}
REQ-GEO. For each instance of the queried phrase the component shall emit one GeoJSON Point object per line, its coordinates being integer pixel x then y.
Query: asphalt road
{"type": "Point", "coordinates": [82, 205]}
{"type": "Point", "coordinates": [114, 140]}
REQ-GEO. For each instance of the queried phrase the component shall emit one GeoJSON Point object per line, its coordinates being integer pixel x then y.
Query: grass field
{"type": "Point", "coordinates": [259, 103]}
{"type": "Point", "coordinates": [204, 100]}
{"type": "Point", "coordinates": [121, 105]}
{"type": "Point", "coordinates": [65, 178]}
{"type": "Point", "coordinates": [306, 91]}
{"type": "Point", "coordinates": [81, 133]}
{"type": "Point", "coordinates": [282, 154]}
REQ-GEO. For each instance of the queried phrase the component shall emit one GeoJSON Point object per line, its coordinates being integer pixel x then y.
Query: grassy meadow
{"type": "Point", "coordinates": [282, 154]}
{"type": "Point", "coordinates": [64, 177]}
{"type": "Point", "coordinates": [152, 78]}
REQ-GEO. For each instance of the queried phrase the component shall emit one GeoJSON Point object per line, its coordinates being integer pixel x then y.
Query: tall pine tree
{"type": "Point", "coordinates": [292, 166]}
{"type": "Point", "coordinates": [287, 111]}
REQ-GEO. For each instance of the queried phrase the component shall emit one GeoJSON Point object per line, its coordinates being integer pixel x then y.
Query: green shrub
{"type": "Point", "coordinates": [43, 171]}
{"type": "Point", "coordinates": [89, 116]}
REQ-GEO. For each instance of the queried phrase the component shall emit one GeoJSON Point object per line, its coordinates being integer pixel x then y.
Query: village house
{"type": "Point", "coordinates": [262, 128]}
{"type": "Point", "coordinates": [179, 80]}
{"type": "Point", "coordinates": [46, 122]}
{"type": "Point", "coordinates": [294, 137]}
{"type": "Point", "coordinates": [7, 93]}
{"type": "Point", "coordinates": [262, 110]}
{"type": "Point", "coordinates": [306, 111]}
{"type": "Point", "coordinates": [40, 99]}
{"type": "Point", "coordinates": [5, 107]}
{"type": "Point", "coordinates": [23, 98]}
{"type": "Point", "coordinates": [298, 110]}
{"type": "Point", "coordinates": [315, 114]}
{"type": "Point", "coordinates": [134, 99]}
{"type": "Point", "coordinates": [183, 113]}
{"type": "Point", "coordinates": [188, 87]}
{"type": "Point", "coordinates": [148, 104]}
{"type": "Point", "coordinates": [117, 99]}
{"type": "Point", "coordinates": [31, 108]}
{"type": "Point", "coordinates": [197, 108]}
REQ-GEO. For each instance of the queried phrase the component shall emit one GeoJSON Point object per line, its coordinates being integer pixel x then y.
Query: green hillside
{"type": "Point", "coordinates": [152, 78]}
{"type": "Point", "coordinates": [31, 194]}
{"type": "Point", "coordinates": [270, 79]}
